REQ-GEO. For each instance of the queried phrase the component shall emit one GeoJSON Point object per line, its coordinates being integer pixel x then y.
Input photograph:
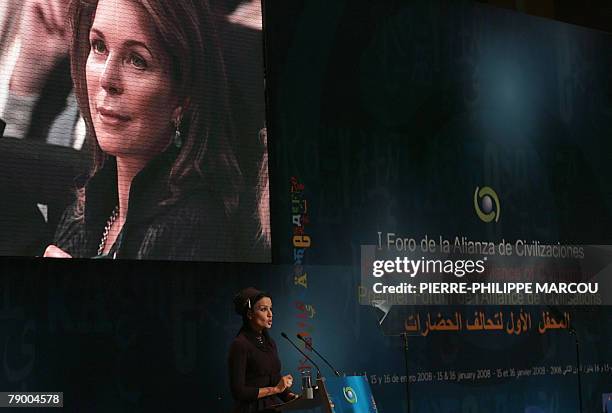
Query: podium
{"type": "Point", "coordinates": [350, 394]}
{"type": "Point", "coordinates": [606, 399]}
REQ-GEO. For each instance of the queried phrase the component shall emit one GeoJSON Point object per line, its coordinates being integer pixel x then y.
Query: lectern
{"type": "Point", "coordinates": [350, 394]}
{"type": "Point", "coordinates": [606, 399]}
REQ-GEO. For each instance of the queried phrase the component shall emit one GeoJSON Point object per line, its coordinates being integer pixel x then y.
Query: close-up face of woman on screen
{"type": "Point", "coordinates": [133, 100]}
{"type": "Point", "coordinates": [151, 86]}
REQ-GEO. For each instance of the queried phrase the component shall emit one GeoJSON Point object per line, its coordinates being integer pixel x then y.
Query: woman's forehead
{"type": "Point", "coordinates": [123, 20]}
{"type": "Point", "coordinates": [264, 302]}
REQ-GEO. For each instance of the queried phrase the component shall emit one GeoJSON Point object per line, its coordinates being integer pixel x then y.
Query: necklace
{"type": "Point", "coordinates": [107, 227]}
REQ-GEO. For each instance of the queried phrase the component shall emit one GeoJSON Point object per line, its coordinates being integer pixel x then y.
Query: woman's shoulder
{"type": "Point", "coordinates": [240, 343]}
{"type": "Point", "coordinates": [198, 208]}
{"type": "Point", "coordinates": [238, 231]}
{"type": "Point", "coordinates": [194, 227]}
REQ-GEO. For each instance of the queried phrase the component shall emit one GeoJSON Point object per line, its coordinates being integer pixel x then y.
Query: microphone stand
{"type": "Point", "coordinates": [405, 337]}
{"type": "Point", "coordinates": [572, 331]}
{"type": "Point", "coordinates": [385, 307]}
{"type": "Point", "coordinates": [556, 312]}
{"type": "Point", "coordinates": [308, 345]}
{"type": "Point", "coordinates": [303, 354]}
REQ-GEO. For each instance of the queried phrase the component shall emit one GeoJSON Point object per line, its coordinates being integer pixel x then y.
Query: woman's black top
{"type": "Point", "coordinates": [192, 227]}
{"type": "Point", "coordinates": [253, 365]}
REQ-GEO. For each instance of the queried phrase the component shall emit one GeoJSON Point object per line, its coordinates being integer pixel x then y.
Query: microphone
{"type": "Point", "coordinates": [556, 312]}
{"type": "Point", "coordinates": [303, 354]}
{"type": "Point", "coordinates": [318, 354]}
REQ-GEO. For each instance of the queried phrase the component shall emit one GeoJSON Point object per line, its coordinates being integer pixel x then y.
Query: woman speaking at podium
{"type": "Point", "coordinates": [254, 366]}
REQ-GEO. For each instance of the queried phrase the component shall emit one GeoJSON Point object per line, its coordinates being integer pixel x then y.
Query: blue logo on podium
{"type": "Point", "coordinates": [349, 394]}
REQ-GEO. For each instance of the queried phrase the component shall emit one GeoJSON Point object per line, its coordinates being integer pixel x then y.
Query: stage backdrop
{"type": "Point", "coordinates": [393, 114]}
{"type": "Point", "coordinates": [141, 340]}
{"type": "Point", "coordinates": [384, 119]}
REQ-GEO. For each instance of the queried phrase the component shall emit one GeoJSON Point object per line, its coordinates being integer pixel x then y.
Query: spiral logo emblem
{"type": "Point", "coordinates": [349, 395]}
{"type": "Point", "coordinates": [486, 204]}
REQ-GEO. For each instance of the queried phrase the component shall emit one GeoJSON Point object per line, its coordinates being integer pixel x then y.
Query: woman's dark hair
{"type": "Point", "coordinates": [187, 32]}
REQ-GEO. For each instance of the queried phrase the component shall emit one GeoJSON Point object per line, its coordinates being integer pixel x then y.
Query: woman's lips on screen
{"type": "Point", "coordinates": [111, 117]}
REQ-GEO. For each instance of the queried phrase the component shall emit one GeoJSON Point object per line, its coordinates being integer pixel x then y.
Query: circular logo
{"type": "Point", "coordinates": [350, 395]}
{"type": "Point", "coordinates": [486, 204]}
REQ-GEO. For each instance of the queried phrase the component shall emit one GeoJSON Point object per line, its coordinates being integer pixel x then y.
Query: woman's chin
{"type": "Point", "coordinates": [110, 144]}
{"type": "Point", "coordinates": [113, 151]}
{"type": "Point", "coordinates": [120, 147]}
{"type": "Point", "coordinates": [115, 146]}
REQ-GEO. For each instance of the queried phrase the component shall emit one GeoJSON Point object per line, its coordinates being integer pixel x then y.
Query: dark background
{"type": "Point", "coordinates": [386, 135]}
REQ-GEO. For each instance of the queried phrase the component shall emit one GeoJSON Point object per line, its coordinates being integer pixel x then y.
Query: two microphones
{"type": "Point", "coordinates": [309, 346]}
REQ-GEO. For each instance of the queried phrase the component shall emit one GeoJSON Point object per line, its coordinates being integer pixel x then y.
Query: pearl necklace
{"type": "Point", "coordinates": [107, 228]}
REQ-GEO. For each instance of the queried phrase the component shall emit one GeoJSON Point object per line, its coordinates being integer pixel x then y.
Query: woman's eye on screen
{"type": "Point", "coordinates": [98, 46]}
{"type": "Point", "coordinates": [137, 61]}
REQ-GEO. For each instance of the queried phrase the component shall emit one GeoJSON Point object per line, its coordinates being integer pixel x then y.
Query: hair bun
{"type": "Point", "coordinates": [244, 299]}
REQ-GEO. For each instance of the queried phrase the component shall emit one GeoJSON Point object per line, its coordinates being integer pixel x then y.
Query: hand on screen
{"type": "Point", "coordinates": [44, 41]}
{"type": "Point", "coordinates": [284, 383]}
{"type": "Point", "coordinates": [54, 252]}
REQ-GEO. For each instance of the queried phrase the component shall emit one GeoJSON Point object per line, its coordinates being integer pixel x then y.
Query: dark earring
{"type": "Point", "coordinates": [178, 140]}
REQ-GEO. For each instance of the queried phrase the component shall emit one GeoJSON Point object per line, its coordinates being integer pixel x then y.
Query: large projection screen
{"type": "Point", "coordinates": [134, 130]}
